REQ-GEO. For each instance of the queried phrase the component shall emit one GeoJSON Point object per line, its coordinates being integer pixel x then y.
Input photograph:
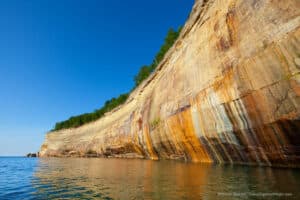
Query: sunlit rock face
{"type": "Point", "coordinates": [227, 92]}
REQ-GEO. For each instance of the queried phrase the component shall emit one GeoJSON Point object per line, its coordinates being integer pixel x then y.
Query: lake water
{"type": "Point", "coordinates": [96, 178]}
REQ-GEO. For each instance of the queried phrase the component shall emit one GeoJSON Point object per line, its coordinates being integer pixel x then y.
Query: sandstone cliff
{"type": "Point", "coordinates": [227, 92]}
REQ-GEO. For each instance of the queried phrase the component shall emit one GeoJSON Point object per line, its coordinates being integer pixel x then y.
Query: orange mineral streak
{"type": "Point", "coordinates": [148, 142]}
{"type": "Point", "coordinates": [182, 127]}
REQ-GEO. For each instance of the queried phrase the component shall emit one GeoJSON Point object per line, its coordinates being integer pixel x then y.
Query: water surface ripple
{"type": "Point", "coordinates": [96, 178]}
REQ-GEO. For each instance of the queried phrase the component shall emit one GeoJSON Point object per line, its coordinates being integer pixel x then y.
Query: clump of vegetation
{"type": "Point", "coordinates": [143, 74]}
{"type": "Point", "coordinates": [79, 120]}
{"type": "Point", "coordinates": [146, 70]}
{"type": "Point", "coordinates": [155, 123]}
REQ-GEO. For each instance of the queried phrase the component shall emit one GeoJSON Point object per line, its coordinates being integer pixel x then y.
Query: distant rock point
{"type": "Point", "coordinates": [32, 155]}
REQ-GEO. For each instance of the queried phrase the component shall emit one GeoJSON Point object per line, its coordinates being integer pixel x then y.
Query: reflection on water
{"type": "Point", "coordinates": [141, 179]}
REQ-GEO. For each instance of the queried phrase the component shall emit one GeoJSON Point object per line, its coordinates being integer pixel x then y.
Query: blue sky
{"type": "Point", "coordinates": [60, 58]}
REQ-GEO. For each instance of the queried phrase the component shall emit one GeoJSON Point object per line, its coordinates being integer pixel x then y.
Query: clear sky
{"type": "Point", "coordinates": [60, 58]}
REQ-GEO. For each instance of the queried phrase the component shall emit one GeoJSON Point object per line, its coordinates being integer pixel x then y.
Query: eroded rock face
{"type": "Point", "coordinates": [227, 92]}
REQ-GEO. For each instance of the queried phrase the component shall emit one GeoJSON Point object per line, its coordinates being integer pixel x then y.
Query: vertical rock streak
{"type": "Point", "coordinates": [226, 92]}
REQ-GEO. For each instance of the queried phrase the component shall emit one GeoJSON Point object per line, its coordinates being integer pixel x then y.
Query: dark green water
{"type": "Point", "coordinates": [24, 178]}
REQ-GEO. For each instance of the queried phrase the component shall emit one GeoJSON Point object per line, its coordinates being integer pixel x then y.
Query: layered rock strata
{"type": "Point", "coordinates": [227, 92]}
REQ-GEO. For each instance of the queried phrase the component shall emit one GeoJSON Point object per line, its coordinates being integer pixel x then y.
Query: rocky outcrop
{"type": "Point", "coordinates": [227, 92]}
{"type": "Point", "coordinates": [32, 155]}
